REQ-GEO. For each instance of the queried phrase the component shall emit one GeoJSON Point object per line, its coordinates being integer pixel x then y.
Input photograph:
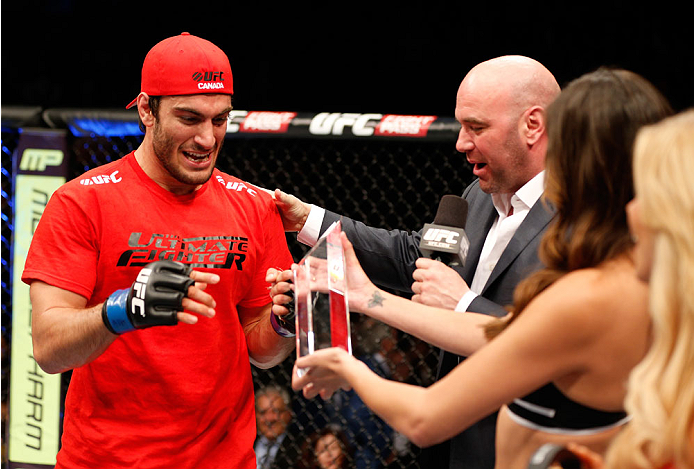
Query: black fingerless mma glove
{"type": "Point", "coordinates": [152, 300]}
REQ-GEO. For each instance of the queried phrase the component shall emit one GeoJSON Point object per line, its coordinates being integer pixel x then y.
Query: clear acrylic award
{"type": "Point", "coordinates": [320, 296]}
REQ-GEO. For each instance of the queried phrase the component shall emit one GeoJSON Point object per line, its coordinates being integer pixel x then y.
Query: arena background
{"type": "Point", "coordinates": [71, 66]}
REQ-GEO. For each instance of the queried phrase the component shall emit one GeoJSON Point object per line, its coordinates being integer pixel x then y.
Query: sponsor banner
{"type": "Point", "coordinates": [341, 125]}
{"type": "Point", "coordinates": [408, 126]}
{"type": "Point", "coordinates": [270, 122]}
{"type": "Point", "coordinates": [34, 404]}
{"type": "Point", "coordinates": [249, 124]}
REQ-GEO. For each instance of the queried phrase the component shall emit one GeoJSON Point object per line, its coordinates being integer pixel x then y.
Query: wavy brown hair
{"type": "Point", "coordinates": [591, 128]}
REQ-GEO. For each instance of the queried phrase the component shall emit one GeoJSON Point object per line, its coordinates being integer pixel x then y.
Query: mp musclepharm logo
{"type": "Point", "coordinates": [37, 159]}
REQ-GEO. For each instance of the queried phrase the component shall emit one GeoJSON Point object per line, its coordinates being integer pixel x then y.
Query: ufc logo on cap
{"type": "Point", "coordinates": [208, 76]}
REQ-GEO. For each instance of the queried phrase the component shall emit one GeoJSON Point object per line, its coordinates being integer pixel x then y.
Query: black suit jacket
{"type": "Point", "coordinates": [388, 258]}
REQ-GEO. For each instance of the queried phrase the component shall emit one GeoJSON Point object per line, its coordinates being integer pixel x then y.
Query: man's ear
{"type": "Point", "coordinates": [533, 124]}
{"type": "Point", "coordinates": [144, 110]}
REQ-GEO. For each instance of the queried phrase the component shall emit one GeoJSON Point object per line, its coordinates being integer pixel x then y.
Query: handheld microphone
{"type": "Point", "coordinates": [445, 239]}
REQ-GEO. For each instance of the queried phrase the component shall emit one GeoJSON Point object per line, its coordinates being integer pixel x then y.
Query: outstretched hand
{"type": "Point", "coordinates": [293, 211]}
{"type": "Point", "coordinates": [360, 288]}
{"type": "Point", "coordinates": [322, 372]}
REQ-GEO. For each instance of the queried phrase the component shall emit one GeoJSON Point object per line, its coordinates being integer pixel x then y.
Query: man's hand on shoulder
{"type": "Point", "coordinates": [293, 211]}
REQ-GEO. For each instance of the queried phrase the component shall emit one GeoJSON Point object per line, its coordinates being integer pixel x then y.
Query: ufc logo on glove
{"type": "Point", "coordinates": [154, 299]}
{"type": "Point", "coordinates": [139, 289]}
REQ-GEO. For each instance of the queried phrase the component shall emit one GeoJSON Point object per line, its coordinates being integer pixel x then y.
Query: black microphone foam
{"type": "Point", "coordinates": [452, 211]}
{"type": "Point", "coordinates": [445, 239]}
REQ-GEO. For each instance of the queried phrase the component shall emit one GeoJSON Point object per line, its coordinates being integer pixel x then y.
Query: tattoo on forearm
{"type": "Point", "coordinates": [376, 300]}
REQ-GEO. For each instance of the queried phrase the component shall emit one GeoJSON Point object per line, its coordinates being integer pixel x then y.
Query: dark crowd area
{"type": "Point", "coordinates": [390, 57]}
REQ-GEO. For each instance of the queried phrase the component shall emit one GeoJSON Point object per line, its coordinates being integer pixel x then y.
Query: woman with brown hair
{"type": "Point", "coordinates": [660, 398]}
{"type": "Point", "coordinates": [578, 326]}
{"type": "Point", "coordinates": [327, 448]}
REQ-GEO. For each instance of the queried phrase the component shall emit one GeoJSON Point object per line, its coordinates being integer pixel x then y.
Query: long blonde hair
{"type": "Point", "coordinates": [661, 388]}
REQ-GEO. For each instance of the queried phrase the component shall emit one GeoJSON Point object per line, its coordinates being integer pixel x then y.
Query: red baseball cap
{"type": "Point", "coordinates": [185, 64]}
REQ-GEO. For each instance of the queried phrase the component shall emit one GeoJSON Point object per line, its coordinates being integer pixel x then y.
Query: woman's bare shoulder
{"type": "Point", "coordinates": [588, 298]}
{"type": "Point", "coordinates": [609, 284]}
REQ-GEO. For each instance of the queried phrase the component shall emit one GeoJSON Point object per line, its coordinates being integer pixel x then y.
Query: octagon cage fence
{"type": "Point", "coordinates": [389, 171]}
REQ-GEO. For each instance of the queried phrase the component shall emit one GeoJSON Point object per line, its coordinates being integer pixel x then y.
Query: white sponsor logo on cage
{"type": "Point", "coordinates": [102, 179]}
{"type": "Point", "coordinates": [334, 123]}
{"type": "Point", "coordinates": [235, 120]}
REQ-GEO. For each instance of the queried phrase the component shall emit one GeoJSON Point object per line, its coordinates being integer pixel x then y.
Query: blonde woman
{"type": "Point", "coordinates": [661, 387]}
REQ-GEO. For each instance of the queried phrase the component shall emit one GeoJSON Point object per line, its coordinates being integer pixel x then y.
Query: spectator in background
{"type": "Point", "coordinates": [273, 415]}
{"type": "Point", "coordinates": [578, 326]}
{"type": "Point", "coordinates": [327, 448]}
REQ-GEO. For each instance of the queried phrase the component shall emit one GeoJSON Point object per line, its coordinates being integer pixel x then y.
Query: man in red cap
{"type": "Point", "coordinates": [169, 241]}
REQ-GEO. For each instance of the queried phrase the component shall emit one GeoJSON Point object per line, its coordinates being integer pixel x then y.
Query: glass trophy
{"type": "Point", "coordinates": [320, 296]}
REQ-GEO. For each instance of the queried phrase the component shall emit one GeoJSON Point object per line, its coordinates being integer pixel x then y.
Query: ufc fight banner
{"type": "Point", "coordinates": [40, 167]}
{"type": "Point", "coordinates": [342, 124]}
{"type": "Point", "coordinates": [266, 124]}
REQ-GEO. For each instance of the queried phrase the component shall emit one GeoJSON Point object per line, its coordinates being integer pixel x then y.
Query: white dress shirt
{"type": "Point", "coordinates": [502, 231]}
{"type": "Point", "coordinates": [311, 230]}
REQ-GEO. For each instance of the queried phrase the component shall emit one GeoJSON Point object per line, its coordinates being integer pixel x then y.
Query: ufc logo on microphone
{"type": "Point", "coordinates": [438, 235]}
{"type": "Point", "coordinates": [137, 304]}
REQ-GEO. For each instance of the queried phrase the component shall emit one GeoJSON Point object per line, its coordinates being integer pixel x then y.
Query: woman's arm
{"type": "Point", "coordinates": [542, 345]}
{"type": "Point", "coordinates": [460, 333]}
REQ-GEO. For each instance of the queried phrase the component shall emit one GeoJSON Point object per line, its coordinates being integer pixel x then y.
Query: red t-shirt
{"type": "Point", "coordinates": [168, 396]}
